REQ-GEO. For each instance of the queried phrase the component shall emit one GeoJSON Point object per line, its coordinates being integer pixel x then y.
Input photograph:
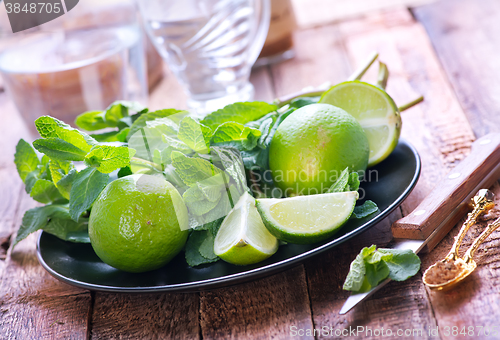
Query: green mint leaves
{"type": "Point", "coordinates": [350, 182]}
{"type": "Point", "coordinates": [87, 185]}
{"type": "Point", "coordinates": [371, 266]}
{"type": "Point", "coordinates": [114, 116]}
{"type": "Point", "coordinates": [365, 210]}
{"type": "Point", "coordinates": [346, 182]}
{"type": "Point", "coordinates": [26, 159]}
{"type": "Point", "coordinates": [239, 113]}
{"type": "Point", "coordinates": [107, 158]}
{"type": "Point", "coordinates": [236, 135]}
{"type": "Point", "coordinates": [195, 135]}
{"type": "Point", "coordinates": [55, 220]}
{"type": "Point", "coordinates": [200, 244]}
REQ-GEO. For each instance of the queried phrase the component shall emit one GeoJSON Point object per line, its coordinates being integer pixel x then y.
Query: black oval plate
{"type": "Point", "coordinates": [78, 265]}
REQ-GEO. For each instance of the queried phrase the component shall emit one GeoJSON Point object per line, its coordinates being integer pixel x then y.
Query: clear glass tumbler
{"type": "Point", "coordinates": [210, 45]}
{"type": "Point", "coordinates": [81, 61]}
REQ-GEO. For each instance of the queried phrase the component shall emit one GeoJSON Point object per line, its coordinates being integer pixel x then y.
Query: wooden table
{"type": "Point", "coordinates": [449, 52]}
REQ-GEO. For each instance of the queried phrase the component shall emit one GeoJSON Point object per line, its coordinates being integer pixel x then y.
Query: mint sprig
{"type": "Point", "coordinates": [239, 113]}
{"type": "Point", "coordinates": [371, 266]}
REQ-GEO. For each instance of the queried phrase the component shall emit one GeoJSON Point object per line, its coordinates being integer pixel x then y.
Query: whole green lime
{"type": "Point", "coordinates": [313, 146]}
{"type": "Point", "coordinates": [138, 223]}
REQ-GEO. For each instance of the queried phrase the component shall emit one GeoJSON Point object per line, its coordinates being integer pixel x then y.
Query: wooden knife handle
{"type": "Point", "coordinates": [447, 202]}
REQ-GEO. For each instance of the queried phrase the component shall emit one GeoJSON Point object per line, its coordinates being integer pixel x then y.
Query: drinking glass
{"type": "Point", "coordinates": [210, 46]}
{"type": "Point", "coordinates": [81, 61]}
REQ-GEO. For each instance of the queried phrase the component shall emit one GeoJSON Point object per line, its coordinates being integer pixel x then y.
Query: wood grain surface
{"type": "Point", "coordinates": [460, 98]}
{"type": "Point", "coordinates": [466, 37]}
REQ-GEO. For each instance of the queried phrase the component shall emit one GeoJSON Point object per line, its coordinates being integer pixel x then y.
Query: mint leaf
{"type": "Point", "coordinates": [205, 195]}
{"type": "Point", "coordinates": [54, 219]}
{"type": "Point", "coordinates": [354, 181]}
{"type": "Point", "coordinates": [258, 158]}
{"type": "Point", "coordinates": [376, 272]}
{"type": "Point", "coordinates": [65, 183]}
{"type": "Point", "coordinates": [192, 170]}
{"type": "Point", "coordinates": [346, 182]}
{"type": "Point", "coordinates": [92, 121]}
{"type": "Point", "coordinates": [239, 113]}
{"type": "Point", "coordinates": [145, 117]}
{"type": "Point", "coordinates": [364, 210]}
{"type": "Point", "coordinates": [112, 136]}
{"type": "Point", "coordinates": [211, 187]}
{"type": "Point", "coordinates": [45, 191]}
{"type": "Point", "coordinates": [60, 149]}
{"type": "Point", "coordinates": [194, 135]}
{"type": "Point", "coordinates": [303, 101]}
{"type": "Point", "coordinates": [342, 182]}
{"type": "Point", "coordinates": [373, 266]}
{"type": "Point", "coordinates": [199, 207]}
{"type": "Point", "coordinates": [106, 158]}
{"type": "Point", "coordinates": [50, 127]}
{"type": "Point", "coordinates": [403, 264]}
{"type": "Point", "coordinates": [113, 116]}
{"type": "Point", "coordinates": [25, 158]}
{"type": "Point", "coordinates": [378, 256]}
{"type": "Point", "coordinates": [126, 171]}
{"type": "Point", "coordinates": [176, 144]}
{"type": "Point", "coordinates": [236, 135]}
{"type": "Point", "coordinates": [199, 248]}
{"type": "Point", "coordinates": [231, 163]}
{"type": "Point", "coordinates": [264, 129]}
{"type": "Point", "coordinates": [59, 169]}
{"type": "Point", "coordinates": [206, 248]}
{"type": "Point", "coordinates": [152, 137]}
{"type": "Point", "coordinates": [356, 274]}
{"type": "Point", "coordinates": [86, 187]}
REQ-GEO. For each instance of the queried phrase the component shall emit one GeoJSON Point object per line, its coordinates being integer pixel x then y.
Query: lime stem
{"type": "Point", "coordinates": [289, 97]}
{"type": "Point", "coordinates": [362, 70]}
{"type": "Point", "coordinates": [383, 75]}
{"type": "Point", "coordinates": [411, 104]}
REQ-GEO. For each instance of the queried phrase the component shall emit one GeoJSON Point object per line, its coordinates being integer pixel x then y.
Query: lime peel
{"type": "Point", "coordinates": [242, 238]}
{"type": "Point", "coordinates": [376, 112]}
{"type": "Point", "coordinates": [307, 219]}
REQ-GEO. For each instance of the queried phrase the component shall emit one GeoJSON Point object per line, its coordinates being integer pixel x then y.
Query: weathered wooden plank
{"type": "Point", "coordinates": [33, 305]}
{"type": "Point", "coordinates": [321, 12]}
{"type": "Point", "coordinates": [11, 189]}
{"type": "Point", "coordinates": [145, 316]}
{"type": "Point", "coordinates": [270, 308]}
{"type": "Point", "coordinates": [466, 37]}
{"type": "Point", "coordinates": [12, 128]}
{"type": "Point", "coordinates": [262, 84]}
{"type": "Point", "coordinates": [319, 58]}
{"type": "Point", "coordinates": [168, 93]}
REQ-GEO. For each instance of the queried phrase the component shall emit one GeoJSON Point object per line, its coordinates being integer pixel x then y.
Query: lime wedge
{"type": "Point", "coordinates": [306, 219]}
{"type": "Point", "coordinates": [375, 111]}
{"type": "Point", "coordinates": [242, 238]}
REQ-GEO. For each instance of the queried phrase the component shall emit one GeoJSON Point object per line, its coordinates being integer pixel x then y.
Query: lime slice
{"type": "Point", "coordinates": [307, 219]}
{"type": "Point", "coordinates": [375, 111]}
{"type": "Point", "coordinates": [242, 238]}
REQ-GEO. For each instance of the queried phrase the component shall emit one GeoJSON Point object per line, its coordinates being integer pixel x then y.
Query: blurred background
{"type": "Point", "coordinates": [62, 69]}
